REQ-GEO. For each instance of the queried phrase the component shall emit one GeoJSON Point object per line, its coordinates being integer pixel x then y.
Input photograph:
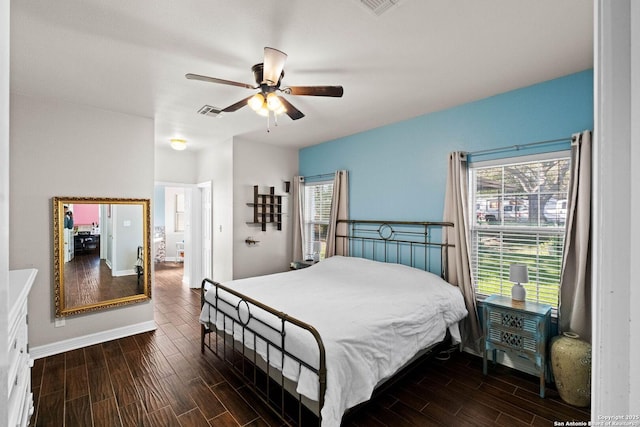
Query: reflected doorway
{"type": "Point", "coordinates": [102, 251]}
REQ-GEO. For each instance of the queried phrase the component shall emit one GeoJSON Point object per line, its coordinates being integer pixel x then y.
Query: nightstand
{"type": "Point", "coordinates": [519, 328]}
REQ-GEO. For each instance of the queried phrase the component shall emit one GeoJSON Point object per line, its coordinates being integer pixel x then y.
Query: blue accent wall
{"type": "Point", "coordinates": [398, 172]}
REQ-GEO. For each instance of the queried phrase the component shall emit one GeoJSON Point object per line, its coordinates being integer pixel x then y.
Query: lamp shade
{"type": "Point", "coordinates": [273, 64]}
{"type": "Point", "coordinates": [273, 102]}
{"type": "Point", "coordinates": [518, 273]}
{"type": "Point", "coordinates": [256, 102]}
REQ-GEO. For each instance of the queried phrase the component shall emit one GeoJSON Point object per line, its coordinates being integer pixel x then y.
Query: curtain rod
{"type": "Point", "coordinates": [516, 147]}
{"type": "Point", "coordinates": [322, 175]}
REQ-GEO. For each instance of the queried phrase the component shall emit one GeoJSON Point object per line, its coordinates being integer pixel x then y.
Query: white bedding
{"type": "Point", "coordinates": [373, 317]}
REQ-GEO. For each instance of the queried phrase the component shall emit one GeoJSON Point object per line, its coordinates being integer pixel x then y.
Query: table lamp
{"type": "Point", "coordinates": [518, 274]}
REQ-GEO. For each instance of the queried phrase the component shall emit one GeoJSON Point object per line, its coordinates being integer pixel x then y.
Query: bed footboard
{"type": "Point", "coordinates": [240, 353]}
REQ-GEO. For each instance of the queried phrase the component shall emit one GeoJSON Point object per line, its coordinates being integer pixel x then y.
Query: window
{"type": "Point", "coordinates": [179, 213]}
{"type": "Point", "coordinates": [317, 210]}
{"type": "Point", "coordinates": [519, 217]}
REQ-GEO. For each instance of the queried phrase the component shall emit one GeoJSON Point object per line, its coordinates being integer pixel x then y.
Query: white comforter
{"type": "Point", "coordinates": [373, 317]}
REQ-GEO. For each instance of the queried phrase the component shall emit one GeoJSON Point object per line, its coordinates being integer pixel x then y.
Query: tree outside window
{"type": "Point", "coordinates": [519, 217]}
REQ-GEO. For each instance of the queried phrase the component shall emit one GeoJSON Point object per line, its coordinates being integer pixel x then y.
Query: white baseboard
{"type": "Point", "coordinates": [121, 273]}
{"type": "Point", "coordinates": [91, 339]}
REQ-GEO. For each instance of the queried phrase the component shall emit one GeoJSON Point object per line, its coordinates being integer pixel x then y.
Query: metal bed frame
{"type": "Point", "coordinates": [417, 244]}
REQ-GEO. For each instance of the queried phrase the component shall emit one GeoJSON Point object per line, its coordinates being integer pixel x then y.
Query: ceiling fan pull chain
{"type": "Point", "coordinates": [268, 115]}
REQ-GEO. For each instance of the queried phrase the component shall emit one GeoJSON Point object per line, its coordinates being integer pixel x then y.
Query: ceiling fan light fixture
{"type": "Point", "coordinates": [256, 102]}
{"type": "Point", "coordinates": [178, 144]}
{"type": "Point", "coordinates": [273, 102]}
{"type": "Point", "coordinates": [280, 110]}
{"type": "Point", "coordinates": [264, 111]}
{"type": "Point", "coordinates": [268, 76]}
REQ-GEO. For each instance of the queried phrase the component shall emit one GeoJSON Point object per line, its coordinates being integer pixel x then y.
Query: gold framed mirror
{"type": "Point", "coordinates": [101, 252]}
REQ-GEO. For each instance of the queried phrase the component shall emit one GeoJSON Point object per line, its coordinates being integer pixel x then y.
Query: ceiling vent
{"type": "Point", "coordinates": [379, 6]}
{"type": "Point", "coordinates": [208, 110]}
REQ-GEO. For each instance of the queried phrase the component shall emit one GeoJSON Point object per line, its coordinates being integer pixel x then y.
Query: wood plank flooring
{"type": "Point", "coordinates": [160, 378]}
{"type": "Point", "coordinates": [88, 280]}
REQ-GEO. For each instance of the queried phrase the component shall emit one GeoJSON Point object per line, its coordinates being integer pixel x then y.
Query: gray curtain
{"type": "Point", "coordinates": [456, 210]}
{"type": "Point", "coordinates": [297, 198]}
{"type": "Point", "coordinates": [574, 313]}
{"type": "Point", "coordinates": [339, 210]}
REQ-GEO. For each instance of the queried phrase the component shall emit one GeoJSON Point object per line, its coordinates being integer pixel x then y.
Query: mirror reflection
{"type": "Point", "coordinates": [101, 253]}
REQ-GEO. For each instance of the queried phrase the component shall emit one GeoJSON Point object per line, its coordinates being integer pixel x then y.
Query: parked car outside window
{"type": "Point", "coordinates": [510, 213]}
{"type": "Point", "coordinates": [555, 211]}
{"type": "Point", "coordinates": [516, 213]}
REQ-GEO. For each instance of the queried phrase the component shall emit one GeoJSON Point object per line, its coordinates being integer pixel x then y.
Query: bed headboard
{"type": "Point", "coordinates": [416, 244]}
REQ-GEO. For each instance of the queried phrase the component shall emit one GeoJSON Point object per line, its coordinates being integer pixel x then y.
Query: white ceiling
{"type": "Point", "coordinates": [421, 56]}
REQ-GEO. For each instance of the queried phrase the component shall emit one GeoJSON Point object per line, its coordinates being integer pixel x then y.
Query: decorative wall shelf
{"type": "Point", "coordinates": [267, 208]}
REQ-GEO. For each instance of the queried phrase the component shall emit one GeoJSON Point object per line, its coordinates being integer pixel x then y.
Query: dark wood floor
{"type": "Point", "coordinates": [161, 379]}
{"type": "Point", "coordinates": [88, 280]}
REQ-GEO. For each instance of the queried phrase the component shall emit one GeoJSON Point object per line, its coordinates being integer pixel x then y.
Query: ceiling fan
{"type": "Point", "coordinates": [268, 76]}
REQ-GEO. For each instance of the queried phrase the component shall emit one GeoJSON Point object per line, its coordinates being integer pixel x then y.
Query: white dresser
{"type": "Point", "coordinates": [20, 402]}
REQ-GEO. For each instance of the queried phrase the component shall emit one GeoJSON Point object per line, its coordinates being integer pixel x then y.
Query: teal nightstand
{"type": "Point", "coordinates": [519, 328]}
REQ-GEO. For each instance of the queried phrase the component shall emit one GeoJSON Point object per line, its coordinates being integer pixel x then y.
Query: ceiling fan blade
{"type": "Point", "coordinates": [220, 81]}
{"type": "Point", "coordinates": [292, 111]}
{"type": "Point", "coordinates": [273, 65]}
{"type": "Point", "coordinates": [335, 91]}
{"type": "Point", "coordinates": [238, 105]}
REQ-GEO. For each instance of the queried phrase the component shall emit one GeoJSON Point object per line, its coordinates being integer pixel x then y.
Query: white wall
{"type": "Point", "coordinates": [129, 234]}
{"type": "Point", "coordinates": [263, 165]}
{"type": "Point", "coordinates": [175, 166]}
{"type": "Point", "coordinates": [234, 167]}
{"type": "Point", "coordinates": [616, 324]}
{"type": "Point", "coordinates": [4, 201]}
{"type": "Point", "coordinates": [215, 164]}
{"type": "Point", "coordinates": [64, 149]}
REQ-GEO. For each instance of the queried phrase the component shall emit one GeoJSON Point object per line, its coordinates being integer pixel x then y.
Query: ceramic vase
{"type": "Point", "coordinates": [571, 367]}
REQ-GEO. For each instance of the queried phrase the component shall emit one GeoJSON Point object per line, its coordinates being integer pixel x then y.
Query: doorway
{"type": "Point", "coordinates": [182, 238]}
{"type": "Point", "coordinates": [170, 225]}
